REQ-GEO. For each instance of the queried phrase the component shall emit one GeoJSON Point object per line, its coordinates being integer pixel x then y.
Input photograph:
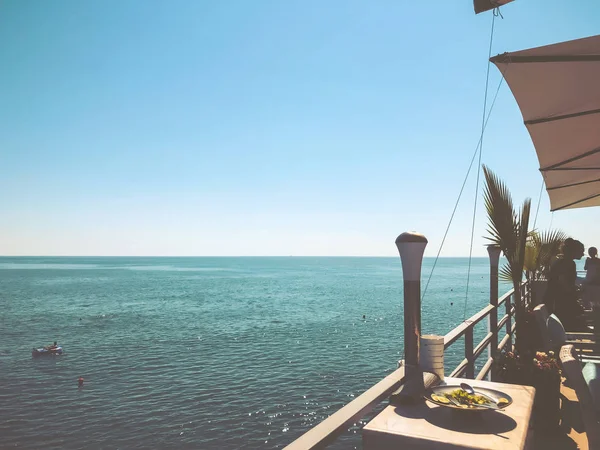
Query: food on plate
{"type": "Point", "coordinates": [468, 400]}
{"type": "Point", "coordinates": [440, 398]}
{"type": "Point", "coordinates": [460, 398]}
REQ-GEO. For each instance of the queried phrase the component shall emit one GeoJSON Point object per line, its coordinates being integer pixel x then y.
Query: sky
{"type": "Point", "coordinates": [266, 127]}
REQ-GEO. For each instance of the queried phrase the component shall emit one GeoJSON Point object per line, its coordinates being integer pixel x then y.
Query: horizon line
{"type": "Point", "coordinates": [224, 256]}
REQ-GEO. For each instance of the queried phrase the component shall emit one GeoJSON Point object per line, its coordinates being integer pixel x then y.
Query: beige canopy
{"type": "Point", "coordinates": [557, 88]}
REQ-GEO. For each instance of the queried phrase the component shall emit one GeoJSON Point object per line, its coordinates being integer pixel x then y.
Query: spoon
{"type": "Point", "coordinates": [467, 388]}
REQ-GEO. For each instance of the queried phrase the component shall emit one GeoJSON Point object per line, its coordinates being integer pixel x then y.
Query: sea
{"type": "Point", "coordinates": [208, 353]}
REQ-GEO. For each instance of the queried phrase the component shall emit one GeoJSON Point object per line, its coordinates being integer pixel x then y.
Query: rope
{"type": "Point", "coordinates": [487, 79]}
{"type": "Point", "coordinates": [538, 206]}
{"type": "Point", "coordinates": [461, 190]}
{"type": "Point", "coordinates": [478, 147]}
{"type": "Point", "coordinates": [437, 257]}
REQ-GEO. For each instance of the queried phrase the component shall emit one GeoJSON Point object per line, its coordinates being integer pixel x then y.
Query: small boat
{"type": "Point", "coordinates": [46, 351]}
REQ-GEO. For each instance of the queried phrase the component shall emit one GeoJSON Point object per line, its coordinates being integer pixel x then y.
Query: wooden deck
{"type": "Point", "coordinates": [570, 435]}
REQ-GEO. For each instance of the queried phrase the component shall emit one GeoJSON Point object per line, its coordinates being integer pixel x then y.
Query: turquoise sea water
{"type": "Point", "coordinates": [205, 352]}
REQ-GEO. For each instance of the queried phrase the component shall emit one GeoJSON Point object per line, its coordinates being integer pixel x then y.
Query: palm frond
{"type": "Point", "coordinates": [549, 246]}
{"type": "Point", "coordinates": [505, 274]}
{"type": "Point", "coordinates": [507, 228]}
{"type": "Point", "coordinates": [499, 207]}
{"type": "Point", "coordinates": [532, 254]}
{"type": "Point", "coordinates": [522, 233]}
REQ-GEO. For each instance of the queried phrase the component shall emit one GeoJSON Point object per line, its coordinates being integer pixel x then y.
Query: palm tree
{"type": "Point", "coordinates": [509, 230]}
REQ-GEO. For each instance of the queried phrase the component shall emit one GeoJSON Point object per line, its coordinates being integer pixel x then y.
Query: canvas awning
{"type": "Point", "coordinates": [557, 88]}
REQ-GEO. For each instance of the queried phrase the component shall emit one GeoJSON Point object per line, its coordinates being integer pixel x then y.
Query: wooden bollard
{"type": "Point", "coordinates": [411, 246]}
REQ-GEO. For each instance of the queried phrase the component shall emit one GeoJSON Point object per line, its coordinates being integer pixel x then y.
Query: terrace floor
{"type": "Point", "coordinates": [570, 435]}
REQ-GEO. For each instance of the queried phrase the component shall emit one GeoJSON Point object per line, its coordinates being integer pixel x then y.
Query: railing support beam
{"type": "Point", "coordinates": [509, 313]}
{"type": "Point", "coordinates": [494, 255]}
{"type": "Point", "coordinates": [470, 373]}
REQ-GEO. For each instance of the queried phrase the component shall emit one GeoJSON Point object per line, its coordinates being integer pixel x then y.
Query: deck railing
{"type": "Point", "coordinates": [466, 368]}
{"type": "Point", "coordinates": [329, 429]}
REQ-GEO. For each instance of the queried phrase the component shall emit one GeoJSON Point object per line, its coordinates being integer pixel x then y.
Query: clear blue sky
{"type": "Point", "coordinates": [296, 127]}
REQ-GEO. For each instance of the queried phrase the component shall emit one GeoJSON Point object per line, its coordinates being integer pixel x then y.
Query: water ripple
{"type": "Point", "coordinates": [249, 358]}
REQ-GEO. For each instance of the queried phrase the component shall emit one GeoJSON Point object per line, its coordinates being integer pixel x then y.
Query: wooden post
{"type": "Point", "coordinates": [509, 321]}
{"type": "Point", "coordinates": [470, 372]}
{"type": "Point", "coordinates": [411, 247]}
{"type": "Point", "coordinates": [494, 254]}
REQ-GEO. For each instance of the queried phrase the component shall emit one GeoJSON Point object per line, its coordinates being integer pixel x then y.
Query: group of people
{"type": "Point", "coordinates": [563, 295]}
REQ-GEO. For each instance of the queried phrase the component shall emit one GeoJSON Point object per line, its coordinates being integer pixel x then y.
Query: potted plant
{"type": "Point", "coordinates": [511, 368]}
{"type": "Point", "coordinates": [540, 371]}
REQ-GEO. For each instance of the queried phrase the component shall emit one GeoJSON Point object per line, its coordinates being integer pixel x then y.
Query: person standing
{"type": "Point", "coordinates": [591, 288]}
{"type": "Point", "coordinates": [562, 295]}
{"type": "Point", "coordinates": [592, 267]}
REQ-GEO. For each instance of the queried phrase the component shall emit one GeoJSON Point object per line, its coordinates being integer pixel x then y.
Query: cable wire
{"type": "Point", "coordinates": [487, 79]}
{"type": "Point", "coordinates": [461, 191]}
{"type": "Point", "coordinates": [538, 206]}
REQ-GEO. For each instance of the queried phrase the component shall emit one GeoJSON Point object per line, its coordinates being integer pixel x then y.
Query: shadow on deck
{"type": "Point", "coordinates": [571, 434]}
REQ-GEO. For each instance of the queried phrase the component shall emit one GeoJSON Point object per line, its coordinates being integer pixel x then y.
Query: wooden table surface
{"type": "Point", "coordinates": [428, 426]}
